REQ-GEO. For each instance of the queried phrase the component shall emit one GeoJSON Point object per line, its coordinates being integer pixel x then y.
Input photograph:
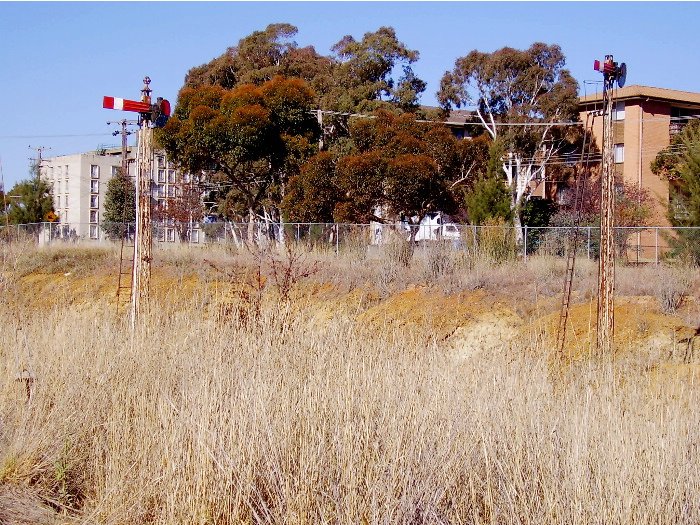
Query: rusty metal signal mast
{"type": "Point", "coordinates": [612, 74]}
{"type": "Point", "coordinates": [150, 116]}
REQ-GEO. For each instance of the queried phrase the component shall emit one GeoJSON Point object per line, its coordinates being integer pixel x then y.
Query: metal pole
{"type": "Point", "coordinates": [525, 247]}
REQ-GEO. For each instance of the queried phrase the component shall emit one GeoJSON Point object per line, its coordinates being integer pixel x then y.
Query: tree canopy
{"type": "Point", "coordinates": [252, 137]}
{"type": "Point", "coordinates": [508, 89]}
{"type": "Point", "coordinates": [393, 166]}
{"type": "Point", "coordinates": [357, 76]}
{"type": "Point", "coordinates": [30, 200]}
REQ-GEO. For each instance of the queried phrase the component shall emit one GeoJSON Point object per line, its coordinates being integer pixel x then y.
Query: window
{"type": "Point", "coordinates": [58, 186]}
{"type": "Point", "coordinates": [93, 231]}
{"type": "Point", "coordinates": [619, 111]}
{"type": "Point", "coordinates": [160, 234]}
{"type": "Point", "coordinates": [94, 171]}
{"type": "Point", "coordinates": [58, 202]}
{"type": "Point", "coordinates": [161, 175]}
{"type": "Point", "coordinates": [58, 171]}
{"type": "Point", "coordinates": [93, 215]}
{"type": "Point", "coordinates": [161, 161]}
{"type": "Point", "coordinates": [171, 234]}
{"type": "Point", "coordinates": [94, 186]}
{"type": "Point", "coordinates": [51, 174]}
{"type": "Point", "coordinates": [171, 191]}
{"type": "Point", "coordinates": [194, 236]}
{"type": "Point", "coordinates": [115, 171]}
{"type": "Point", "coordinates": [171, 176]}
{"type": "Point", "coordinates": [94, 201]}
{"type": "Point", "coordinates": [619, 153]}
{"type": "Point", "coordinates": [66, 171]}
{"type": "Point", "coordinates": [161, 190]}
{"type": "Point", "coordinates": [186, 178]}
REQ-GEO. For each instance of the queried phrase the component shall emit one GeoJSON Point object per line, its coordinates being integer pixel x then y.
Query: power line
{"type": "Point", "coordinates": [53, 136]}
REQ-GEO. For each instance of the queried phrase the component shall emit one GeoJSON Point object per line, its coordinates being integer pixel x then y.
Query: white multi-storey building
{"type": "Point", "coordinates": [79, 186]}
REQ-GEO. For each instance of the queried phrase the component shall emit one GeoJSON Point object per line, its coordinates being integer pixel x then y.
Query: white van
{"type": "Point", "coordinates": [437, 226]}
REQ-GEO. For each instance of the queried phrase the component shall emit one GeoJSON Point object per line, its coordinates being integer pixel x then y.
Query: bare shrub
{"type": "Point", "coordinates": [672, 288]}
{"type": "Point", "coordinates": [438, 260]}
{"type": "Point", "coordinates": [289, 269]}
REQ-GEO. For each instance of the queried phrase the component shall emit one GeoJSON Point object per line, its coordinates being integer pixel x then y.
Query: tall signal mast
{"type": "Point", "coordinates": [150, 115]}
{"type": "Point", "coordinates": [612, 73]}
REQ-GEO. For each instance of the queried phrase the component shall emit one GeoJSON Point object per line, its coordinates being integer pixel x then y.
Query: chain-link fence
{"type": "Point", "coordinates": [649, 244]}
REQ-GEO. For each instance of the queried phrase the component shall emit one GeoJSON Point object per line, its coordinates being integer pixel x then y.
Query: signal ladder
{"type": "Point", "coordinates": [574, 237]}
{"type": "Point", "coordinates": [126, 269]}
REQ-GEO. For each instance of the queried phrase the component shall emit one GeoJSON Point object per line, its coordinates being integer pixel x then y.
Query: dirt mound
{"type": "Point", "coordinates": [468, 323]}
{"type": "Point", "coordinates": [640, 328]}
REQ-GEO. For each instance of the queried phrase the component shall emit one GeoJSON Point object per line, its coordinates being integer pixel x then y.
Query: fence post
{"type": "Point", "coordinates": [525, 245]}
{"type": "Point", "coordinates": [588, 244]}
{"type": "Point", "coordinates": [656, 246]}
{"type": "Point", "coordinates": [337, 236]}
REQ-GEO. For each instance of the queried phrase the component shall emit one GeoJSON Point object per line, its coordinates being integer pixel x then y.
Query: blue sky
{"type": "Point", "coordinates": [58, 59]}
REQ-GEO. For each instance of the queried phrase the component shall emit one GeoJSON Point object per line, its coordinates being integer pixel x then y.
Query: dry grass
{"type": "Point", "coordinates": [288, 419]}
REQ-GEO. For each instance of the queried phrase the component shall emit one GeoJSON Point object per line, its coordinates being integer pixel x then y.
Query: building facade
{"type": "Point", "coordinates": [79, 188]}
{"type": "Point", "coordinates": [645, 119]}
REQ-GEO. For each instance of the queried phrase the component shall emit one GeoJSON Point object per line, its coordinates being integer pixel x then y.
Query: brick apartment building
{"type": "Point", "coordinates": [645, 119]}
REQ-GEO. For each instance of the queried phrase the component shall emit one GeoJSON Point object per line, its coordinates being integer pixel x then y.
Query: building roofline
{"type": "Point", "coordinates": [637, 91]}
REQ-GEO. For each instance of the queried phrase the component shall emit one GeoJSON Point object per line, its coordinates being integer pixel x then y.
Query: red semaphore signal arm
{"type": "Point", "coordinates": [125, 105]}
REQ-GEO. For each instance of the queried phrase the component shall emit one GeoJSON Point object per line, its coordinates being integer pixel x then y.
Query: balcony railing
{"type": "Point", "coordinates": [674, 128]}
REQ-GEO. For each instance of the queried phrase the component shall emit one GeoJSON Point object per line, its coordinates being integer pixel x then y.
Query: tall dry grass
{"type": "Point", "coordinates": [199, 419]}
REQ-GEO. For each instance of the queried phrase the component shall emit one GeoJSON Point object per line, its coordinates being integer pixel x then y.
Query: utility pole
{"type": "Point", "coordinates": [149, 114]}
{"type": "Point", "coordinates": [612, 73]}
{"type": "Point", "coordinates": [124, 133]}
{"type": "Point", "coordinates": [36, 161]}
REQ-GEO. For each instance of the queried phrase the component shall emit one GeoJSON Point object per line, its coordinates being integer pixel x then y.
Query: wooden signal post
{"type": "Point", "coordinates": [149, 114]}
{"type": "Point", "coordinates": [612, 73]}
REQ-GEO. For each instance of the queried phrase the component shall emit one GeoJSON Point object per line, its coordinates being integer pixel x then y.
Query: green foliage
{"type": "Point", "coordinates": [358, 77]}
{"type": "Point", "coordinates": [119, 207]}
{"type": "Point", "coordinates": [668, 162]}
{"type": "Point", "coordinates": [536, 214]}
{"type": "Point", "coordinates": [517, 86]}
{"type": "Point", "coordinates": [362, 76]}
{"type": "Point", "coordinates": [489, 197]}
{"type": "Point", "coordinates": [30, 201]}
